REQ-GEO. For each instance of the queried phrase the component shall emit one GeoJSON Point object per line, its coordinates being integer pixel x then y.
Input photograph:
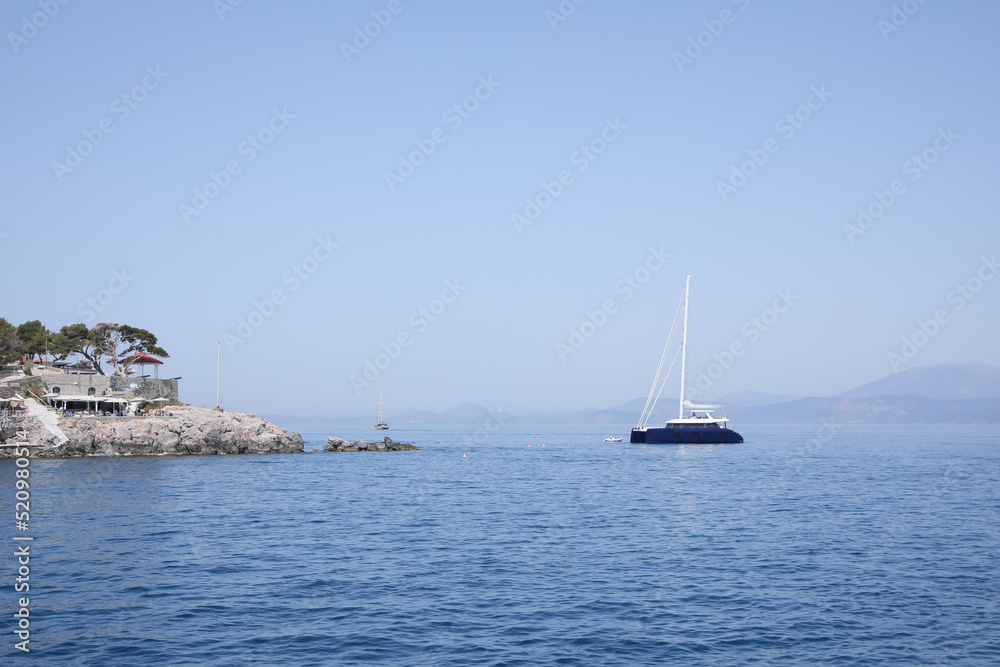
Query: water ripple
{"type": "Point", "coordinates": [879, 547]}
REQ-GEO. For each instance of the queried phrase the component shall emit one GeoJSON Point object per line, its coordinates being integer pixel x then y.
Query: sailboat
{"type": "Point", "coordinates": [380, 423]}
{"type": "Point", "coordinates": [695, 423]}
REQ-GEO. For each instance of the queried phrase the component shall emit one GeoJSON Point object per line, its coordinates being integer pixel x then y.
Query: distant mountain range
{"type": "Point", "coordinates": [874, 410]}
{"type": "Point", "coordinates": [943, 381]}
{"type": "Point", "coordinates": [947, 393]}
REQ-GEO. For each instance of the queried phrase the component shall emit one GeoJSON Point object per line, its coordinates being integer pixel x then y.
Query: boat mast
{"type": "Point", "coordinates": [218, 369]}
{"type": "Point", "coordinates": [684, 338]}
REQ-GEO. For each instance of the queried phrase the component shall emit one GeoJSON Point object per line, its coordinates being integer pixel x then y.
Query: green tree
{"type": "Point", "coordinates": [77, 338]}
{"type": "Point", "coordinates": [117, 344]}
{"type": "Point", "coordinates": [34, 337]}
{"type": "Point", "coordinates": [122, 343]}
{"type": "Point", "coordinates": [11, 346]}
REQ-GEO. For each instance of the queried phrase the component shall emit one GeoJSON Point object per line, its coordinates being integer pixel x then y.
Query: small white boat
{"type": "Point", "coordinates": [612, 438]}
{"type": "Point", "coordinates": [380, 423]}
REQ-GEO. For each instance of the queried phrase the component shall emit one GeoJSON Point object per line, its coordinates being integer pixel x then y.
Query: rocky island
{"type": "Point", "coordinates": [387, 445]}
{"type": "Point", "coordinates": [61, 407]}
{"type": "Point", "coordinates": [186, 430]}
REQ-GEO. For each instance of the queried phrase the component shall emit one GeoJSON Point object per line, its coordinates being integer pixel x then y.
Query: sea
{"type": "Point", "coordinates": [817, 544]}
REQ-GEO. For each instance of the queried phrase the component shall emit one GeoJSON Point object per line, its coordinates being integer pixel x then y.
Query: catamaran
{"type": "Point", "coordinates": [380, 423]}
{"type": "Point", "coordinates": [695, 423]}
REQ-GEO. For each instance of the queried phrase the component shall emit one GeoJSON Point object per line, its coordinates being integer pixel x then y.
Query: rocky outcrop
{"type": "Point", "coordinates": [387, 445]}
{"type": "Point", "coordinates": [189, 430]}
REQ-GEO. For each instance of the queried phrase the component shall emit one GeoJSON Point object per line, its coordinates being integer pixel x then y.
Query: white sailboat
{"type": "Point", "coordinates": [380, 423]}
{"type": "Point", "coordinates": [695, 423]}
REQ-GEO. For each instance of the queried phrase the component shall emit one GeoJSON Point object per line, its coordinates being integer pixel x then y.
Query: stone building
{"type": "Point", "coordinates": [94, 384]}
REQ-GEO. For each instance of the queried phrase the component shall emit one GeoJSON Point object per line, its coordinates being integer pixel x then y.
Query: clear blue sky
{"type": "Point", "coordinates": [342, 122]}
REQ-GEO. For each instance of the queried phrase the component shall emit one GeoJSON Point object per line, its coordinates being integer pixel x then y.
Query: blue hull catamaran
{"type": "Point", "coordinates": [696, 424]}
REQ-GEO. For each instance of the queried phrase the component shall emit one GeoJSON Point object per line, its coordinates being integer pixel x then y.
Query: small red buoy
{"type": "Point", "coordinates": [529, 446]}
{"type": "Point", "coordinates": [463, 456]}
{"type": "Point", "coordinates": [543, 444]}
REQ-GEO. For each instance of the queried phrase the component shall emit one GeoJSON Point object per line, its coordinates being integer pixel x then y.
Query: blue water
{"type": "Point", "coordinates": [869, 545]}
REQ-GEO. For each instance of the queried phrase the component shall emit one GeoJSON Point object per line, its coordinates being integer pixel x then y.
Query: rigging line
{"type": "Point", "coordinates": [673, 328]}
{"type": "Point", "coordinates": [664, 383]}
{"type": "Point", "coordinates": [647, 410]}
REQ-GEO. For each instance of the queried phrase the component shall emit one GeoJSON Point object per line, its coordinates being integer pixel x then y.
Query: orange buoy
{"type": "Point", "coordinates": [463, 456]}
{"type": "Point", "coordinates": [529, 446]}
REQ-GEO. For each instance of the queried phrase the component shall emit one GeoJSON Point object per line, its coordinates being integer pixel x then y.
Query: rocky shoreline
{"type": "Point", "coordinates": [189, 430]}
{"type": "Point", "coordinates": [186, 430]}
{"type": "Point", "coordinates": [387, 445]}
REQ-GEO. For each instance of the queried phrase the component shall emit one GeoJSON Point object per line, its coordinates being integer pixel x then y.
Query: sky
{"type": "Point", "coordinates": [498, 202]}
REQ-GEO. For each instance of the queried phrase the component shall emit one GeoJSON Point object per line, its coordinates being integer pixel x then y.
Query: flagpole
{"type": "Point", "coordinates": [218, 370]}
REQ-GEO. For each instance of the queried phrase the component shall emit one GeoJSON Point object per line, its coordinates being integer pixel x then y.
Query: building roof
{"type": "Point", "coordinates": [85, 399]}
{"type": "Point", "coordinates": [140, 358]}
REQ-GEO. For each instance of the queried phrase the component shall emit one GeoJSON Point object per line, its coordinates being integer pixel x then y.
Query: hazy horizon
{"type": "Point", "coordinates": [502, 199]}
{"type": "Point", "coordinates": [667, 403]}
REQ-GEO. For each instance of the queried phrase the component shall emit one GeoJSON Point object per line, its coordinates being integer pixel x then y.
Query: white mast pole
{"type": "Point", "coordinates": [218, 369]}
{"type": "Point", "coordinates": [684, 338]}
